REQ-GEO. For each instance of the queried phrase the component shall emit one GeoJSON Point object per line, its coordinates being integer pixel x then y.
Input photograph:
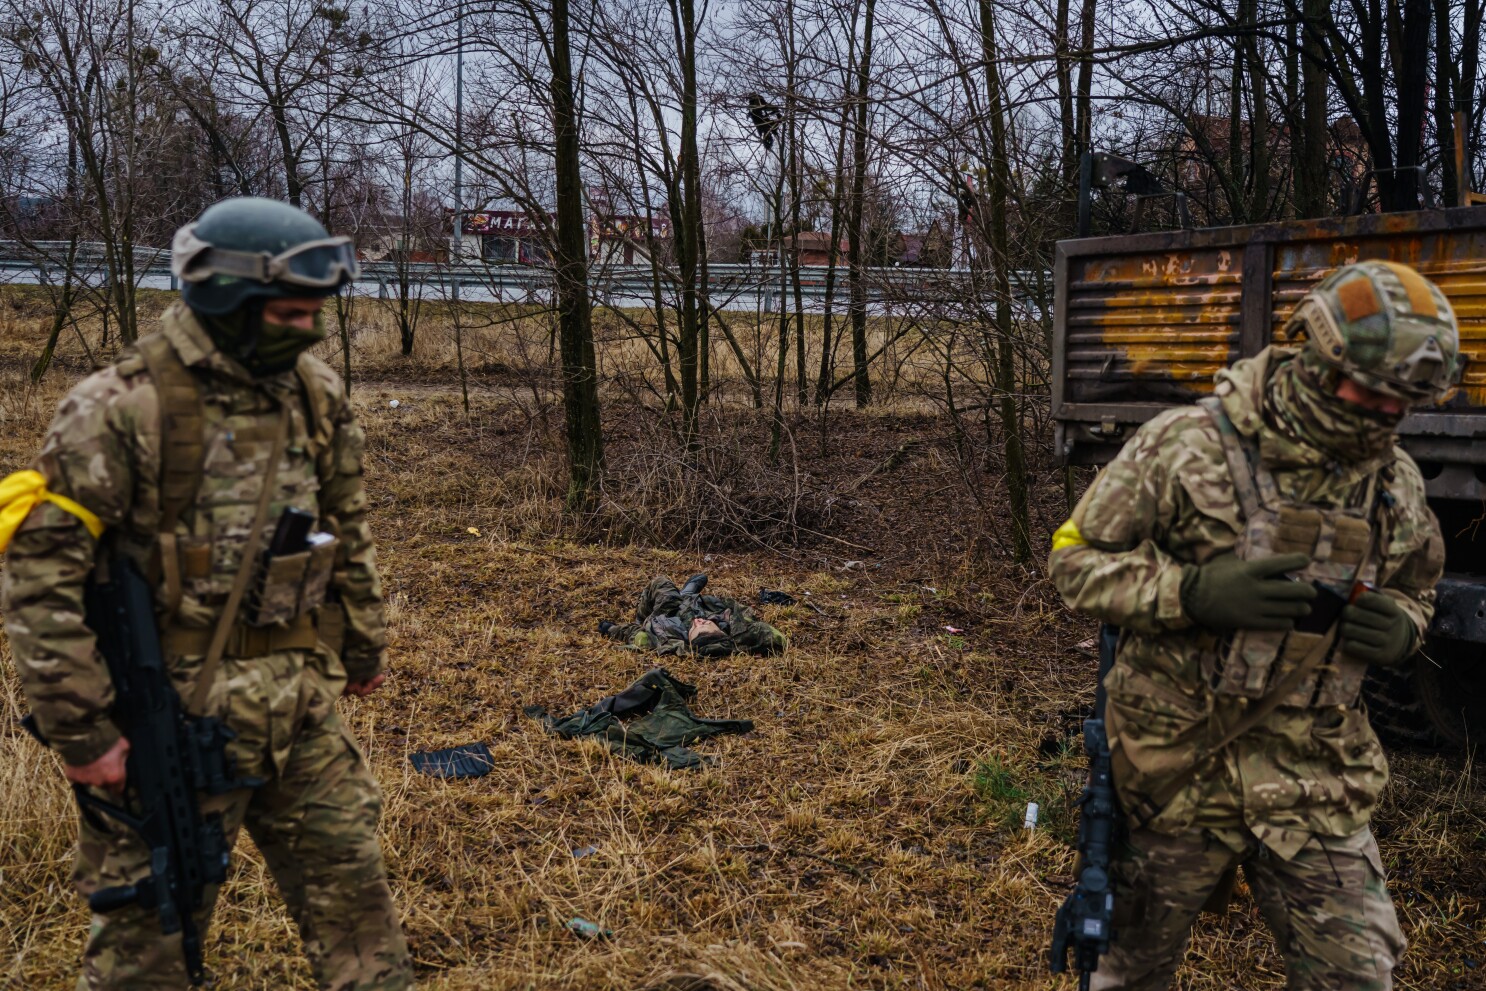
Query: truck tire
{"type": "Point", "coordinates": [1437, 701]}
{"type": "Point", "coordinates": [1395, 711]}
{"type": "Point", "coordinates": [1450, 683]}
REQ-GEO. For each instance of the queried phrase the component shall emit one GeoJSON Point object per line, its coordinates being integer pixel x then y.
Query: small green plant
{"type": "Point", "coordinates": [994, 782]}
{"type": "Point", "coordinates": [1006, 794]}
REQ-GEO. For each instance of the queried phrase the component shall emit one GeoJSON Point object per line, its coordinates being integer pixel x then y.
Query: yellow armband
{"type": "Point", "coordinates": [23, 491]}
{"type": "Point", "coordinates": [1068, 535]}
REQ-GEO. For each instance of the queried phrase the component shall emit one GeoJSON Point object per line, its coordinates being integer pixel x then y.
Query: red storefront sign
{"type": "Point", "coordinates": [518, 223]}
{"type": "Point", "coordinates": [514, 223]}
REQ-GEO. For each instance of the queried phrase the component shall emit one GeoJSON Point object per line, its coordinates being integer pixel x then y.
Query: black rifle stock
{"type": "Point", "coordinates": [1084, 921]}
{"type": "Point", "coordinates": [172, 757]}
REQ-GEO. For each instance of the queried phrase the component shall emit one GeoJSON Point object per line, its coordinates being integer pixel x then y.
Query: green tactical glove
{"type": "Point", "coordinates": [1228, 594]}
{"type": "Point", "coordinates": [1375, 629]}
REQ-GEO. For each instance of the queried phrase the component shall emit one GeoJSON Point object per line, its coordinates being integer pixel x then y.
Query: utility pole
{"type": "Point", "coordinates": [457, 253]}
{"type": "Point", "coordinates": [458, 243]}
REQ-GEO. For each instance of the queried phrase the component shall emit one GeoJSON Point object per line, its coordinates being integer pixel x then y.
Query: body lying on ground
{"type": "Point", "coordinates": [671, 620]}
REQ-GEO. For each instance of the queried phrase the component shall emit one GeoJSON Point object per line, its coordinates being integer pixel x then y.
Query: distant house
{"type": "Point", "coordinates": [814, 247]}
{"type": "Point", "coordinates": [518, 237]}
{"type": "Point", "coordinates": [396, 247]}
{"type": "Point", "coordinates": [931, 248]}
{"type": "Point", "coordinates": [623, 240]}
{"type": "Point", "coordinates": [508, 236]}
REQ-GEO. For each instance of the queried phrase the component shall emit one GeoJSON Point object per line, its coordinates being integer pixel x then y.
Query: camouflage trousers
{"type": "Point", "coordinates": [316, 826]}
{"type": "Point", "coordinates": [1328, 908]}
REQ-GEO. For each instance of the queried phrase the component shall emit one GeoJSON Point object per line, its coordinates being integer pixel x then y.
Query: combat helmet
{"type": "Point", "coordinates": [1384, 326]}
{"type": "Point", "coordinates": [248, 248]}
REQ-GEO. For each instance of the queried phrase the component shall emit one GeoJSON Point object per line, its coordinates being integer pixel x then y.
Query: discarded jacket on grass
{"type": "Point", "coordinates": [650, 722]}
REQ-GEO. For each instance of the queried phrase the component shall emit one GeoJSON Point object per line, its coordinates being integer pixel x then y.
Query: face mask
{"type": "Point", "coordinates": [261, 346]}
{"type": "Point", "coordinates": [281, 344]}
{"type": "Point", "coordinates": [233, 332]}
{"type": "Point", "coordinates": [1303, 406]}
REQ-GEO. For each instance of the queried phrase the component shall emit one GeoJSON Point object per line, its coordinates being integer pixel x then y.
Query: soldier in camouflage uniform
{"type": "Point", "coordinates": [671, 620]}
{"type": "Point", "coordinates": [255, 275]}
{"type": "Point", "coordinates": [1203, 541]}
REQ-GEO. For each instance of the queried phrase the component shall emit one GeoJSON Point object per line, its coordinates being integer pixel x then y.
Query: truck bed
{"type": "Point", "coordinates": [1143, 322]}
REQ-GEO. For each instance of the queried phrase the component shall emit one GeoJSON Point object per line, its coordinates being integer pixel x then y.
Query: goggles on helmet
{"type": "Point", "coordinates": [324, 264]}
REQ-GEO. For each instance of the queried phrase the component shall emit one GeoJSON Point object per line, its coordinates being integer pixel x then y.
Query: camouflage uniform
{"type": "Point", "coordinates": [315, 819]}
{"type": "Point", "coordinates": [1291, 799]}
{"type": "Point", "coordinates": [665, 613]}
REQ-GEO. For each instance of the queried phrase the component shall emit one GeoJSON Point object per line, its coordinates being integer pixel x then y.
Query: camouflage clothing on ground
{"type": "Point", "coordinates": [665, 614]}
{"type": "Point", "coordinates": [1306, 774]}
{"type": "Point", "coordinates": [321, 802]}
{"type": "Point", "coordinates": [650, 721]}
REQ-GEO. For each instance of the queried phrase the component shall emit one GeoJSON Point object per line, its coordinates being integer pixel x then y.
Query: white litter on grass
{"type": "Point", "coordinates": [1029, 821]}
{"type": "Point", "coordinates": [394, 404]}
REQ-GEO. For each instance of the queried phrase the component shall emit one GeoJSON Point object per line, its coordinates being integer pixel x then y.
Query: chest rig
{"type": "Point", "coordinates": [1342, 542]}
{"type": "Point", "coordinates": [219, 458]}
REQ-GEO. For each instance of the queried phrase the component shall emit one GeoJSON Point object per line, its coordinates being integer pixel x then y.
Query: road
{"type": "Point", "coordinates": [738, 288]}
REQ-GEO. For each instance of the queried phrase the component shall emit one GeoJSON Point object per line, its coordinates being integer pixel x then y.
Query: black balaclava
{"type": "Point", "coordinates": [261, 346]}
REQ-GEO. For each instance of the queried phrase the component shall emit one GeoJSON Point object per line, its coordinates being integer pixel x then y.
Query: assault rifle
{"type": "Point", "coordinates": [1086, 917]}
{"type": "Point", "coordinates": [172, 757]}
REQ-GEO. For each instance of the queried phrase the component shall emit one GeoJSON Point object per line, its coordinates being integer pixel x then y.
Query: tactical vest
{"type": "Point", "coordinates": [1343, 544]}
{"type": "Point", "coordinates": [214, 456]}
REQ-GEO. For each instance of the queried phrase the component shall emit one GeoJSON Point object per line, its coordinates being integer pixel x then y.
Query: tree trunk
{"type": "Point", "coordinates": [1411, 70]}
{"type": "Point", "coordinates": [579, 367]}
{"type": "Point", "coordinates": [292, 183]}
{"type": "Point", "coordinates": [998, 194]}
{"type": "Point", "coordinates": [833, 258]}
{"type": "Point", "coordinates": [1310, 173]}
{"type": "Point", "coordinates": [61, 313]}
{"type": "Point", "coordinates": [1083, 101]}
{"type": "Point", "coordinates": [1470, 55]}
{"type": "Point", "coordinates": [1293, 114]}
{"type": "Point", "coordinates": [855, 257]}
{"type": "Point", "coordinates": [343, 304]}
{"type": "Point", "coordinates": [796, 194]}
{"type": "Point", "coordinates": [782, 364]}
{"type": "Point", "coordinates": [652, 245]}
{"type": "Point", "coordinates": [1258, 208]}
{"type": "Point", "coordinates": [1237, 208]}
{"type": "Point", "coordinates": [1444, 118]}
{"type": "Point", "coordinates": [1068, 152]}
{"type": "Point", "coordinates": [687, 220]}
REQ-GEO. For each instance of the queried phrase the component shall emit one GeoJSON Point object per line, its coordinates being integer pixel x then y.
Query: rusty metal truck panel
{"type": "Point", "coordinates": [1143, 322]}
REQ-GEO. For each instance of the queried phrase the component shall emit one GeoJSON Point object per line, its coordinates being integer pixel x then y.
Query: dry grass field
{"type": "Point", "coordinates": [867, 834]}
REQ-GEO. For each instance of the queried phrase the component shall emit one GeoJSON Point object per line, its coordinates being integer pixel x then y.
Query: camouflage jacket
{"type": "Point", "coordinates": [103, 451]}
{"type": "Point", "coordinates": [1168, 501]}
{"type": "Point", "coordinates": [664, 616]}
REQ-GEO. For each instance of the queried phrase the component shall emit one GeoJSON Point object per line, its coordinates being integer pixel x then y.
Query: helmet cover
{"type": "Point", "coordinates": [1384, 326]}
